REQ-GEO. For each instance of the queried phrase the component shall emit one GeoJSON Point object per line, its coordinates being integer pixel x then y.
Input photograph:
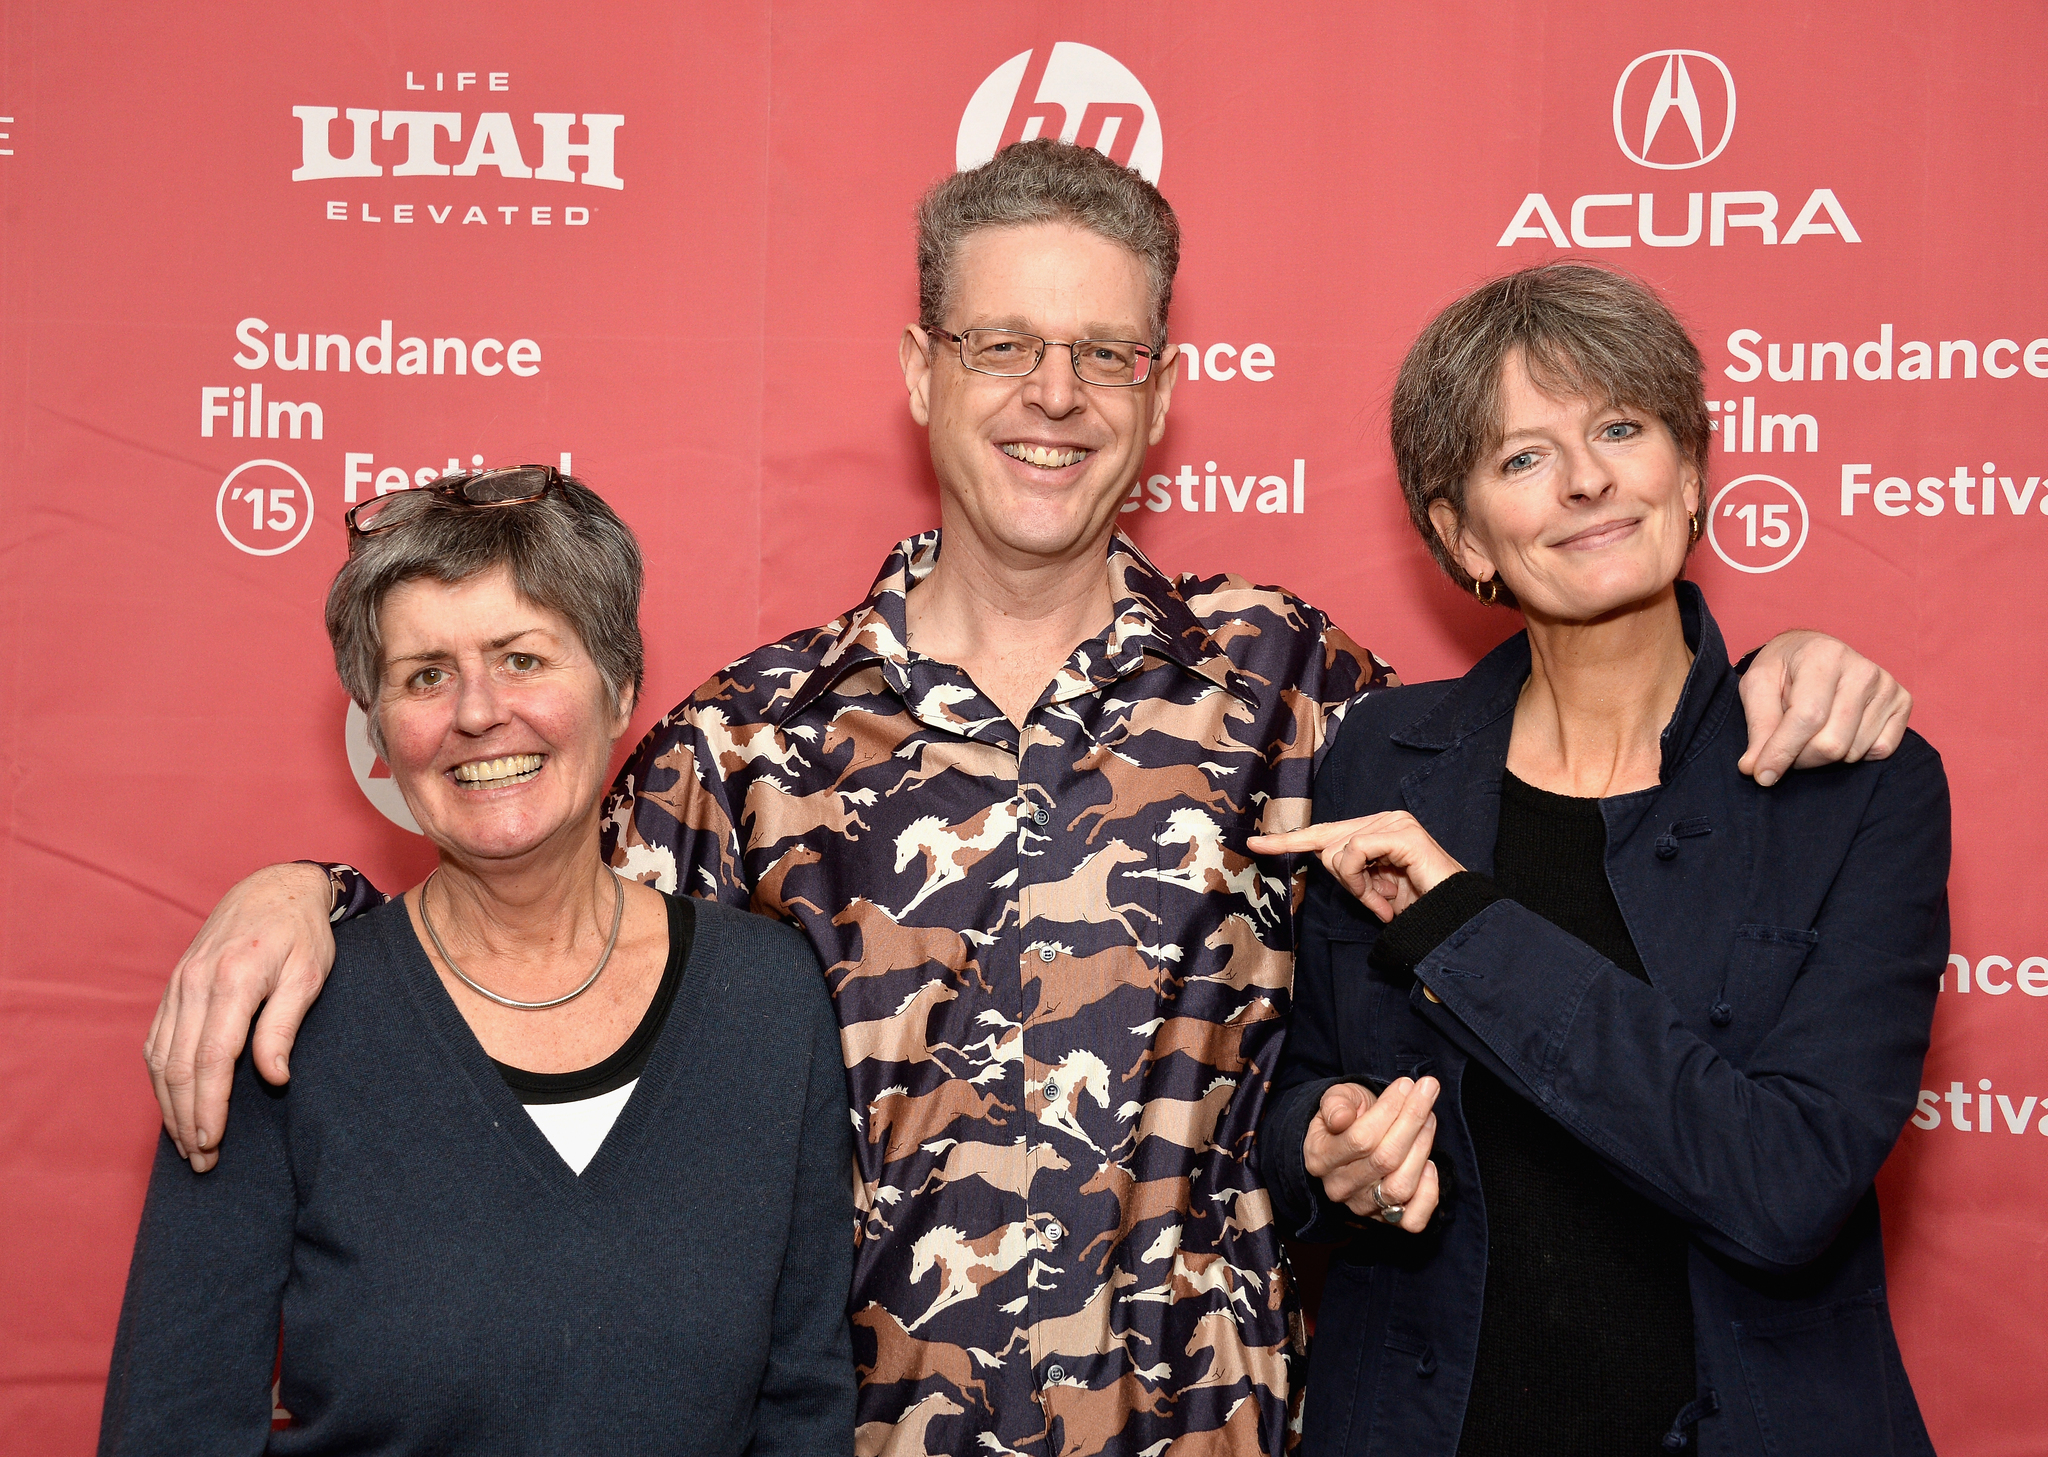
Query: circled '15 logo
{"type": "Point", "coordinates": [1674, 109]}
{"type": "Point", "coordinates": [373, 775]}
{"type": "Point", "coordinates": [264, 507]}
{"type": "Point", "coordinates": [1070, 91]}
{"type": "Point", "coordinates": [1757, 523]}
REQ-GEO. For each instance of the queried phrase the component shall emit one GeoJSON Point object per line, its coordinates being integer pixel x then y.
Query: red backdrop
{"type": "Point", "coordinates": [674, 244]}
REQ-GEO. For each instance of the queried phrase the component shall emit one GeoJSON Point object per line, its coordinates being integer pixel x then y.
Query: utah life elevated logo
{"type": "Point", "coordinates": [1070, 91]}
{"type": "Point", "coordinates": [454, 140]}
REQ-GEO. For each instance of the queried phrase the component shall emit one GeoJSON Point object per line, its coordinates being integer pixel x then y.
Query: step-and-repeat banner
{"type": "Point", "coordinates": [260, 264]}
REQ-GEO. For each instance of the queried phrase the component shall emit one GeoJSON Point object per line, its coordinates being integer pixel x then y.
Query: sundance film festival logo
{"type": "Point", "coordinates": [1070, 91]}
{"type": "Point", "coordinates": [1688, 108]}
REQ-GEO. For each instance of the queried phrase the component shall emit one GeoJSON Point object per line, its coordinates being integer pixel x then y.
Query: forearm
{"type": "Point", "coordinates": [1763, 1161]}
{"type": "Point", "coordinates": [806, 1401]}
{"type": "Point", "coordinates": [199, 1323]}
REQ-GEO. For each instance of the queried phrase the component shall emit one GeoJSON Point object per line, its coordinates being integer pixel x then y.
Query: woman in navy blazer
{"type": "Point", "coordinates": [1597, 1043]}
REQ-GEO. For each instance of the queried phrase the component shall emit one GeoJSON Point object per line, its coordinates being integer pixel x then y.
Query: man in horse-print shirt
{"type": "Point", "coordinates": [1007, 797]}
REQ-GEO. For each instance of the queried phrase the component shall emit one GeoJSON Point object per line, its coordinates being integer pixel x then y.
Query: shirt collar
{"type": "Point", "coordinates": [1149, 615]}
{"type": "Point", "coordinates": [1491, 689]}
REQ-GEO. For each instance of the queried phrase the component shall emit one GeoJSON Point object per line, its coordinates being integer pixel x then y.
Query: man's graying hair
{"type": "Point", "coordinates": [1045, 181]}
{"type": "Point", "coordinates": [568, 552]}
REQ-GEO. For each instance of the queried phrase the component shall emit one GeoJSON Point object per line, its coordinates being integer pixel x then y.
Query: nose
{"type": "Point", "coordinates": [1587, 476]}
{"type": "Point", "coordinates": [479, 707]}
{"type": "Point", "coordinates": [1054, 387]}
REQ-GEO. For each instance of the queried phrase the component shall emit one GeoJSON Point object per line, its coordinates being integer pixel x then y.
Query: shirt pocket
{"type": "Point", "coordinates": [1368, 1005]}
{"type": "Point", "coordinates": [1762, 967]}
{"type": "Point", "coordinates": [1818, 1378]}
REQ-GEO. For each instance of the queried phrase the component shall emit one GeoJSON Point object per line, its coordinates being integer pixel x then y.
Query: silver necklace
{"type": "Point", "coordinates": [618, 914]}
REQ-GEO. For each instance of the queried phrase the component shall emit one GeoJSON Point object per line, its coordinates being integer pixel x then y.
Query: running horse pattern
{"type": "Point", "coordinates": [1060, 980]}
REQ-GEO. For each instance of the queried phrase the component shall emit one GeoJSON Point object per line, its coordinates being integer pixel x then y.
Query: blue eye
{"type": "Point", "coordinates": [1517, 463]}
{"type": "Point", "coordinates": [1621, 430]}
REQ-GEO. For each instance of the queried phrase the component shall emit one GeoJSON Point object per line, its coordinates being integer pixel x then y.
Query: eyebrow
{"type": "Point", "coordinates": [491, 646]}
{"type": "Point", "coordinates": [1095, 328]}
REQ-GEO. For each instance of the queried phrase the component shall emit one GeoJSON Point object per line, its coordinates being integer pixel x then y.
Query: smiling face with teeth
{"type": "Point", "coordinates": [496, 723]}
{"type": "Point", "coordinates": [1034, 469]}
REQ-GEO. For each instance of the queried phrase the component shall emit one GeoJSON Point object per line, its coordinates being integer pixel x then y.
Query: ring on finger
{"type": "Point", "coordinates": [1390, 1212]}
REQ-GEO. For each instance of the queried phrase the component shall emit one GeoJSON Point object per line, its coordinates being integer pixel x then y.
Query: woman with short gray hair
{"type": "Point", "coordinates": [563, 1163]}
{"type": "Point", "coordinates": [1597, 1043]}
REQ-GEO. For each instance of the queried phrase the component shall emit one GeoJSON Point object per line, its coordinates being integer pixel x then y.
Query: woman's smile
{"type": "Point", "coordinates": [498, 773]}
{"type": "Point", "coordinates": [1593, 538]}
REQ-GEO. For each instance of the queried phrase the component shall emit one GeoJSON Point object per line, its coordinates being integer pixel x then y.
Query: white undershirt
{"type": "Point", "coordinates": [577, 1129]}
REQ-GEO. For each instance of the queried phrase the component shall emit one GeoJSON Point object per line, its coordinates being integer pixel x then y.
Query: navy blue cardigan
{"type": "Point", "coordinates": [1794, 938]}
{"type": "Point", "coordinates": [447, 1284]}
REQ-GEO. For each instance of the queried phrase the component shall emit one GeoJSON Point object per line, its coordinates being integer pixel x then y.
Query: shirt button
{"type": "Point", "coordinates": [1052, 1092]}
{"type": "Point", "coordinates": [1046, 953]}
{"type": "Point", "coordinates": [1055, 1374]}
{"type": "Point", "coordinates": [1039, 817]}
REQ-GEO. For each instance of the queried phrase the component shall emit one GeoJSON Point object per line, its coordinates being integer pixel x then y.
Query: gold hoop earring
{"type": "Point", "coordinates": [1697, 521]}
{"type": "Point", "coordinates": [1488, 591]}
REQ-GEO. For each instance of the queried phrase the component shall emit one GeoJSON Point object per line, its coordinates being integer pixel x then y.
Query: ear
{"type": "Point", "coordinates": [1476, 563]}
{"type": "Point", "coordinates": [1162, 380]}
{"type": "Point", "coordinates": [1694, 495]}
{"type": "Point", "coordinates": [628, 701]}
{"type": "Point", "coordinates": [914, 353]}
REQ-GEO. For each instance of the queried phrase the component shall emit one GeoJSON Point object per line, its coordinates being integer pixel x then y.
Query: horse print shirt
{"type": "Point", "coordinates": [1059, 980]}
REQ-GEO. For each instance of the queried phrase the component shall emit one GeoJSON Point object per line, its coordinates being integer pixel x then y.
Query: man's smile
{"type": "Point", "coordinates": [1048, 457]}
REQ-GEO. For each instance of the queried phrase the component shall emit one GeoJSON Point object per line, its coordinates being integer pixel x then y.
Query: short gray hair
{"type": "Point", "coordinates": [1045, 181]}
{"type": "Point", "coordinates": [1582, 329]}
{"type": "Point", "coordinates": [568, 552]}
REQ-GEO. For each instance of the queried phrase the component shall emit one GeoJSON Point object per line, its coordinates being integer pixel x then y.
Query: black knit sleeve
{"type": "Point", "coordinates": [1434, 919]}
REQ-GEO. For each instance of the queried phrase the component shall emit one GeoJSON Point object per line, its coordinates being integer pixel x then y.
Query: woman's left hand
{"type": "Point", "coordinates": [1387, 860]}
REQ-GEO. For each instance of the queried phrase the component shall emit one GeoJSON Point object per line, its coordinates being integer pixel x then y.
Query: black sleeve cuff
{"type": "Point", "coordinates": [1407, 940]}
{"type": "Point", "coordinates": [352, 892]}
{"type": "Point", "coordinates": [1747, 658]}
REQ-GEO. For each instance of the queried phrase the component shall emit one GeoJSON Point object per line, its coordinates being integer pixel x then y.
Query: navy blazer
{"type": "Point", "coordinates": [1794, 938]}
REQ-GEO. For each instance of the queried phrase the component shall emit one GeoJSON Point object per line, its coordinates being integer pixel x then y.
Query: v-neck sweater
{"type": "Point", "coordinates": [445, 1283]}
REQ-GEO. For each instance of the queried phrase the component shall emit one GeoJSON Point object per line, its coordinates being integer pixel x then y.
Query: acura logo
{"type": "Point", "coordinates": [1686, 99]}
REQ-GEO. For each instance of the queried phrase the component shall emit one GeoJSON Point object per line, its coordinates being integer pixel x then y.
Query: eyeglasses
{"type": "Point", "coordinates": [1005, 352]}
{"type": "Point", "coordinates": [512, 485]}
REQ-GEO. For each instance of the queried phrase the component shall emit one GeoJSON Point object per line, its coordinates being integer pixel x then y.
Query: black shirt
{"type": "Point", "coordinates": [1586, 1330]}
{"type": "Point", "coordinates": [1586, 1341]}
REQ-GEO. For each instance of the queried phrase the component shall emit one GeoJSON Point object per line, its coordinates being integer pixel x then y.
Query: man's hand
{"type": "Point", "coordinates": [1811, 699]}
{"type": "Point", "coordinates": [1357, 1144]}
{"type": "Point", "coordinates": [1387, 860]}
{"type": "Point", "coordinates": [267, 939]}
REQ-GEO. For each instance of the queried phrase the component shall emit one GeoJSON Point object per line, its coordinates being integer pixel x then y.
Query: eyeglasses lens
{"type": "Point", "coordinates": [1096, 361]}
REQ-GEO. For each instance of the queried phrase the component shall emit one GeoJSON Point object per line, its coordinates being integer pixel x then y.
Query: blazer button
{"type": "Point", "coordinates": [1432, 996]}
